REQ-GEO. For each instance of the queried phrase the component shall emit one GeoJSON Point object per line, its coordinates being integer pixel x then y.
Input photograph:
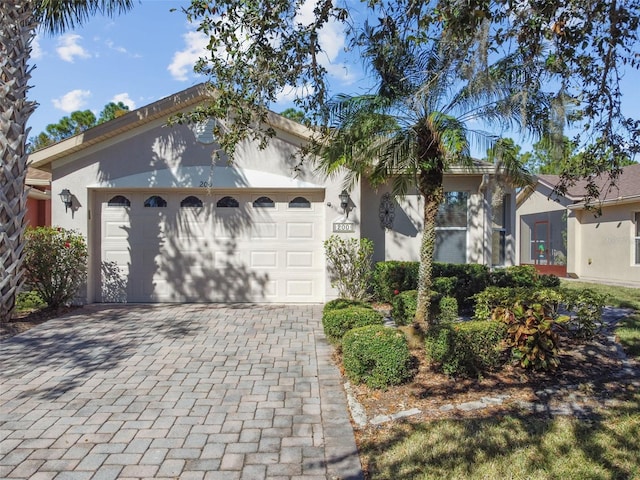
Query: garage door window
{"type": "Point", "coordinates": [264, 202]}
{"type": "Point", "coordinates": [119, 201]}
{"type": "Point", "coordinates": [299, 202]}
{"type": "Point", "coordinates": [155, 201]}
{"type": "Point", "coordinates": [227, 202]}
{"type": "Point", "coordinates": [191, 202]}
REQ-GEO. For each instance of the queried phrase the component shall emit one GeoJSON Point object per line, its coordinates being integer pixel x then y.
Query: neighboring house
{"type": "Point", "coordinates": [165, 222]}
{"type": "Point", "coordinates": [558, 234]}
{"type": "Point", "coordinates": [38, 198]}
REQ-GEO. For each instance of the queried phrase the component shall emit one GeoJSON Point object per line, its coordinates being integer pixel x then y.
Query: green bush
{"type": "Point", "coordinates": [548, 281]}
{"type": "Point", "coordinates": [376, 355]}
{"type": "Point", "coordinates": [506, 297]}
{"type": "Point", "coordinates": [393, 276]}
{"type": "Point", "coordinates": [531, 335]}
{"type": "Point", "coordinates": [471, 279]}
{"type": "Point", "coordinates": [404, 307]}
{"type": "Point", "coordinates": [466, 348]}
{"type": "Point", "coordinates": [445, 286]}
{"type": "Point", "coordinates": [55, 262]}
{"type": "Point", "coordinates": [585, 311]}
{"type": "Point", "coordinates": [349, 265]}
{"type": "Point", "coordinates": [514, 276]}
{"type": "Point", "coordinates": [337, 322]}
{"type": "Point", "coordinates": [28, 301]}
{"type": "Point", "coordinates": [338, 303]}
{"type": "Point", "coordinates": [448, 309]}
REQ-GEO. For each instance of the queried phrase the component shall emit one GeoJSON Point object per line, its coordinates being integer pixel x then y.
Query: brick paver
{"type": "Point", "coordinates": [175, 391]}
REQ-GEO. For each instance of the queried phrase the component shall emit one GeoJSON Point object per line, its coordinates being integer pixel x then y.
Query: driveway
{"type": "Point", "coordinates": [194, 391]}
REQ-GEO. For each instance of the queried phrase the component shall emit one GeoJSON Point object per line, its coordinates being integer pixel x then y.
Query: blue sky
{"type": "Point", "coordinates": [149, 52]}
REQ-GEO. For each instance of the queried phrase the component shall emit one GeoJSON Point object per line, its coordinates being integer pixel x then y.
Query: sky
{"type": "Point", "coordinates": [139, 57]}
{"type": "Point", "coordinates": [148, 53]}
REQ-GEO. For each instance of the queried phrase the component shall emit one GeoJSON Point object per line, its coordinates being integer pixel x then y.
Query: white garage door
{"type": "Point", "coordinates": [161, 246]}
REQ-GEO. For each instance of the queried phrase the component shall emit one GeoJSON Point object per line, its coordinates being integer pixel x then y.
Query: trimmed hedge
{"type": "Point", "coordinates": [448, 309]}
{"type": "Point", "coordinates": [339, 321]}
{"type": "Point", "coordinates": [338, 303]}
{"type": "Point", "coordinates": [466, 348]}
{"type": "Point", "coordinates": [392, 276]}
{"type": "Point", "coordinates": [405, 304]}
{"type": "Point", "coordinates": [376, 355]}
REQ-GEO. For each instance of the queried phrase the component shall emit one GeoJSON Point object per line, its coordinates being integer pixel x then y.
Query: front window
{"type": "Point", "coordinates": [499, 230]}
{"type": "Point", "coordinates": [637, 237]}
{"type": "Point", "coordinates": [451, 228]}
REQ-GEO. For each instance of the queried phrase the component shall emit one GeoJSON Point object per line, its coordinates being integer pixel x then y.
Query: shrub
{"type": "Point", "coordinates": [392, 276]}
{"type": "Point", "coordinates": [445, 286]}
{"type": "Point", "coordinates": [471, 279]}
{"type": "Point", "coordinates": [515, 276]}
{"type": "Point", "coordinates": [337, 322]}
{"type": "Point", "coordinates": [530, 335]}
{"type": "Point", "coordinates": [55, 262]}
{"type": "Point", "coordinates": [507, 297]}
{"type": "Point", "coordinates": [585, 311]}
{"type": "Point", "coordinates": [338, 303]}
{"type": "Point", "coordinates": [404, 307]}
{"type": "Point", "coordinates": [448, 309]}
{"type": "Point", "coordinates": [376, 355]}
{"type": "Point", "coordinates": [548, 281]}
{"type": "Point", "coordinates": [466, 348]}
{"type": "Point", "coordinates": [349, 265]}
{"type": "Point", "coordinates": [28, 301]}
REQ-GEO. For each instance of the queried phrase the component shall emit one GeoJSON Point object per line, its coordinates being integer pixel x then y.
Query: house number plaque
{"type": "Point", "coordinates": [346, 227]}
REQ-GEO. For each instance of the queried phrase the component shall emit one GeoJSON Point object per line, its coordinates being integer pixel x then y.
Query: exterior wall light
{"type": "Point", "coordinates": [66, 197]}
{"type": "Point", "coordinates": [344, 202]}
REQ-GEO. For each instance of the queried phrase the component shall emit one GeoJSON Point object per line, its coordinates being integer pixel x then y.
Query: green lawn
{"type": "Point", "coordinates": [510, 447]}
{"type": "Point", "coordinates": [519, 446]}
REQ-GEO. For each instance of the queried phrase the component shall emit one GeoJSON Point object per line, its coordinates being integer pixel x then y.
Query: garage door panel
{"type": "Point", "coordinates": [264, 259]}
{"type": "Point", "coordinates": [297, 231]}
{"type": "Point", "coordinates": [212, 254]}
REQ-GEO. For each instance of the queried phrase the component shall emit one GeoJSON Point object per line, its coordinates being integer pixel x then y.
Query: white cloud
{"type": "Point", "coordinates": [72, 101]}
{"type": "Point", "coordinates": [69, 49]}
{"type": "Point", "coordinates": [184, 60]}
{"type": "Point", "coordinates": [115, 47]}
{"type": "Point", "coordinates": [36, 50]}
{"type": "Point", "coordinates": [124, 98]}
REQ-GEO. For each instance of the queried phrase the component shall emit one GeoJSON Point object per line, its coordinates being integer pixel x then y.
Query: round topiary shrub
{"type": "Point", "coordinates": [337, 322]}
{"type": "Point", "coordinates": [376, 355]}
{"type": "Point", "coordinates": [339, 303]}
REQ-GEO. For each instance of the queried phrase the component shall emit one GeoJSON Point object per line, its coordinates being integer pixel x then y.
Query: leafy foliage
{"type": "Point", "coordinates": [339, 303]}
{"type": "Point", "coordinates": [448, 309]}
{"type": "Point", "coordinates": [376, 355]}
{"type": "Point", "coordinates": [404, 307]}
{"type": "Point", "coordinates": [585, 311]}
{"type": "Point", "coordinates": [55, 263]}
{"type": "Point", "coordinates": [466, 348]}
{"type": "Point", "coordinates": [349, 265]}
{"type": "Point", "coordinates": [530, 335]}
{"type": "Point", "coordinates": [394, 276]}
{"type": "Point", "coordinates": [337, 322]}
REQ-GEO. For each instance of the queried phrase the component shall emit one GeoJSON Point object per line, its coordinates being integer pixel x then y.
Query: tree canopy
{"type": "Point", "coordinates": [577, 49]}
{"type": "Point", "coordinates": [77, 122]}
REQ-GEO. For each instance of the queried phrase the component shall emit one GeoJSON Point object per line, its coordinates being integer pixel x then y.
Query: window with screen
{"type": "Point", "coordinates": [451, 228]}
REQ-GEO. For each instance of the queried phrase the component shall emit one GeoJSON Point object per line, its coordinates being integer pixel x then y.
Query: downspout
{"type": "Point", "coordinates": [482, 189]}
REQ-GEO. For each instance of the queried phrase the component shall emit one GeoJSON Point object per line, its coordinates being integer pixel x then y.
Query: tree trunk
{"type": "Point", "coordinates": [432, 191]}
{"type": "Point", "coordinates": [17, 28]}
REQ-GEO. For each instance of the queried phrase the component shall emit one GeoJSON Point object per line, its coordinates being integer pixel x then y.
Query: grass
{"type": "Point", "coordinates": [511, 447]}
{"type": "Point", "coordinates": [628, 330]}
{"type": "Point", "coordinates": [519, 446]}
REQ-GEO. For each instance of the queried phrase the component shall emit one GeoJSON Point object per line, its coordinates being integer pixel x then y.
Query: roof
{"type": "Point", "coordinates": [37, 177]}
{"type": "Point", "coordinates": [161, 109]}
{"type": "Point", "coordinates": [625, 187]}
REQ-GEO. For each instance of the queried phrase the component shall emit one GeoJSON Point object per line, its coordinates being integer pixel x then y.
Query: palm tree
{"type": "Point", "coordinates": [418, 123]}
{"type": "Point", "coordinates": [19, 21]}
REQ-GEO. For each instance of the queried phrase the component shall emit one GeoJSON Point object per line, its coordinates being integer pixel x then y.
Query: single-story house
{"type": "Point", "coordinates": [38, 185]}
{"type": "Point", "coordinates": [559, 234]}
{"type": "Point", "coordinates": [166, 221]}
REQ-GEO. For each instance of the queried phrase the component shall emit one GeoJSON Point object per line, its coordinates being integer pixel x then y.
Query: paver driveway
{"type": "Point", "coordinates": [179, 391]}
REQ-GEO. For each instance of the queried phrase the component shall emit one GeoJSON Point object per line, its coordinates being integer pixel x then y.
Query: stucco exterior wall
{"type": "Point", "coordinates": [402, 241]}
{"type": "Point", "coordinates": [169, 158]}
{"type": "Point", "coordinates": [604, 245]}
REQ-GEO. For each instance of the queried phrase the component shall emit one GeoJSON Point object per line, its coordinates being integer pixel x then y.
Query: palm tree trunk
{"type": "Point", "coordinates": [17, 28]}
{"type": "Point", "coordinates": [432, 191]}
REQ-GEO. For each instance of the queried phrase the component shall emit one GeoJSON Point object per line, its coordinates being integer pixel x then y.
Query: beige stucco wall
{"type": "Point", "coordinates": [604, 245]}
{"type": "Point", "coordinates": [169, 158]}
{"type": "Point", "coordinates": [402, 242]}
